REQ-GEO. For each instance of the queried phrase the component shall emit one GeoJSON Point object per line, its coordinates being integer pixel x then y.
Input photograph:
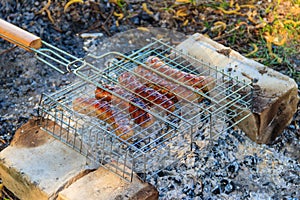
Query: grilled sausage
{"type": "Point", "coordinates": [152, 96]}
{"type": "Point", "coordinates": [205, 83]}
{"type": "Point", "coordinates": [179, 91]}
{"type": "Point", "coordinates": [103, 111]}
{"type": "Point", "coordinates": [162, 90]}
{"type": "Point", "coordinates": [114, 100]}
{"type": "Point", "coordinates": [139, 116]}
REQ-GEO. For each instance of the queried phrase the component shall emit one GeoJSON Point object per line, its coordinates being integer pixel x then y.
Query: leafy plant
{"type": "Point", "coordinates": [120, 3]}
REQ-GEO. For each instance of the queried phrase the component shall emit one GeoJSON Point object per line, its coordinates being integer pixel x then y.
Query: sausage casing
{"type": "Point", "coordinates": [103, 111]}
{"type": "Point", "coordinates": [205, 83]}
{"type": "Point", "coordinates": [161, 89]}
{"type": "Point", "coordinates": [181, 92]}
{"type": "Point", "coordinates": [139, 115]}
{"type": "Point", "coordinates": [151, 95]}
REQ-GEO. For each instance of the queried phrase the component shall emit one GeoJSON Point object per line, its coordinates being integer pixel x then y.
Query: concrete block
{"type": "Point", "coordinates": [37, 166]}
{"type": "Point", "coordinates": [275, 96]}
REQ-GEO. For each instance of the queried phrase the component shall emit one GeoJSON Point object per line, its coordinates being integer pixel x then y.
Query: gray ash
{"type": "Point", "coordinates": [230, 169]}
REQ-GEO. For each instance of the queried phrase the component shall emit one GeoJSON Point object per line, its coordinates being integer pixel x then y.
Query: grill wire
{"type": "Point", "coordinates": [146, 150]}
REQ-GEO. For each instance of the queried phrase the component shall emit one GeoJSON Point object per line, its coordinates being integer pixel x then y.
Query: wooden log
{"type": "Point", "coordinates": [103, 184]}
{"type": "Point", "coordinates": [275, 96]}
{"type": "Point", "coordinates": [38, 166]}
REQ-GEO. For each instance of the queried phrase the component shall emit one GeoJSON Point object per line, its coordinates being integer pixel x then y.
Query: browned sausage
{"type": "Point", "coordinates": [103, 111]}
{"type": "Point", "coordinates": [181, 92]}
{"type": "Point", "coordinates": [152, 96]}
{"type": "Point", "coordinates": [205, 83]}
{"type": "Point", "coordinates": [162, 90]}
{"type": "Point", "coordinates": [139, 116]}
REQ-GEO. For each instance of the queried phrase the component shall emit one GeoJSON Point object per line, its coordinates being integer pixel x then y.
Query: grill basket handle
{"type": "Point", "coordinates": [18, 36]}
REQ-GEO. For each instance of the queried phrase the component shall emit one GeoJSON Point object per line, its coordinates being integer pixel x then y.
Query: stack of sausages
{"type": "Point", "coordinates": [142, 91]}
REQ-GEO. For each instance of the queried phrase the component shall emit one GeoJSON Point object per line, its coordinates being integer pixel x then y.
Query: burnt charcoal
{"type": "Point", "coordinates": [216, 165]}
{"type": "Point", "coordinates": [207, 186]}
{"type": "Point", "coordinates": [291, 177]}
{"type": "Point", "coordinates": [182, 167]}
{"type": "Point", "coordinates": [223, 183]}
{"type": "Point", "coordinates": [195, 147]}
{"type": "Point", "coordinates": [205, 158]}
{"type": "Point", "coordinates": [145, 16]}
{"type": "Point", "coordinates": [232, 169]}
{"type": "Point", "coordinates": [227, 186]}
{"type": "Point", "coordinates": [268, 183]}
{"type": "Point", "coordinates": [161, 173]}
{"type": "Point", "coordinates": [191, 193]}
{"type": "Point", "coordinates": [169, 168]}
{"type": "Point", "coordinates": [187, 189]}
{"type": "Point", "coordinates": [163, 190]}
{"type": "Point", "coordinates": [177, 179]}
{"type": "Point", "coordinates": [198, 189]}
{"type": "Point", "coordinates": [142, 175]}
{"type": "Point", "coordinates": [221, 142]}
{"type": "Point", "coordinates": [216, 190]}
{"type": "Point", "coordinates": [292, 127]}
{"type": "Point", "coordinates": [202, 137]}
{"type": "Point", "coordinates": [250, 161]}
{"type": "Point", "coordinates": [200, 174]}
{"type": "Point", "coordinates": [65, 27]}
{"type": "Point", "coordinates": [22, 120]}
{"type": "Point", "coordinates": [238, 135]}
{"type": "Point", "coordinates": [171, 186]}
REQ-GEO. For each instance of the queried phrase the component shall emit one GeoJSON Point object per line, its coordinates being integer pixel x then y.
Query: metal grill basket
{"type": "Point", "coordinates": [152, 148]}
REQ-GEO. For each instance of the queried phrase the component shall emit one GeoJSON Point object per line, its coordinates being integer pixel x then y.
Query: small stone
{"type": "Point", "coordinates": [91, 35]}
{"type": "Point", "coordinates": [156, 16]}
{"type": "Point", "coordinates": [135, 20]}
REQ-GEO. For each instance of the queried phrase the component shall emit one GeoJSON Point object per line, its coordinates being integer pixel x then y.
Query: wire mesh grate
{"type": "Point", "coordinates": [142, 111]}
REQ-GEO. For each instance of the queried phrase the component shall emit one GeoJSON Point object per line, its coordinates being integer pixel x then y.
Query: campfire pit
{"type": "Point", "coordinates": [249, 161]}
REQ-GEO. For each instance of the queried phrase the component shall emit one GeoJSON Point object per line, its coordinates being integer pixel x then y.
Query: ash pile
{"type": "Point", "coordinates": [233, 167]}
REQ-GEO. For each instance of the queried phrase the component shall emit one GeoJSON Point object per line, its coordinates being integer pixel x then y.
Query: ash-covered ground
{"type": "Point", "coordinates": [233, 168]}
